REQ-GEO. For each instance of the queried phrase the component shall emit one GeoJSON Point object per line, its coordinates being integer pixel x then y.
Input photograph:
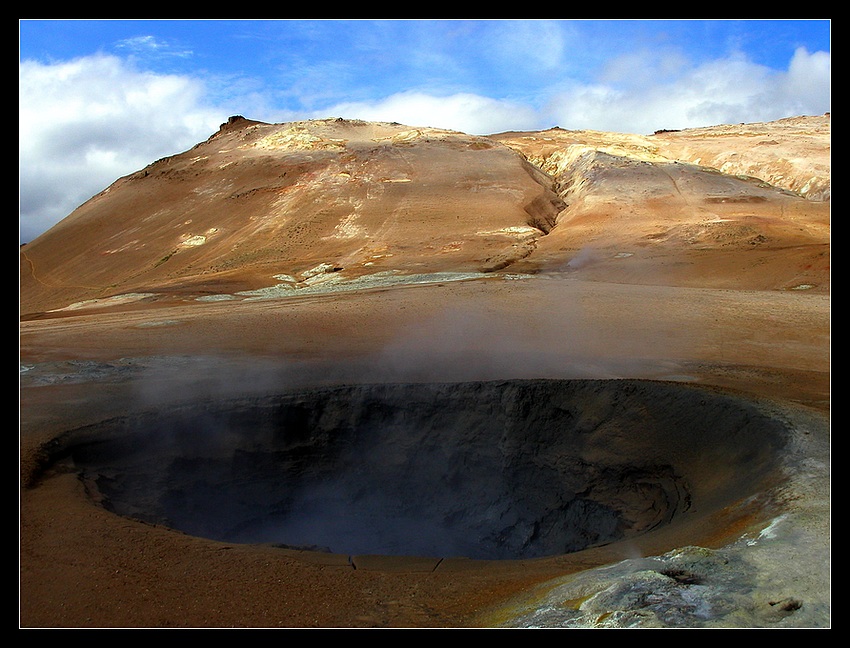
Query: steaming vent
{"type": "Point", "coordinates": [485, 470]}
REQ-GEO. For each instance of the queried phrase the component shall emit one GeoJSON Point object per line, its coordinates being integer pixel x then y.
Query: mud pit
{"type": "Point", "coordinates": [499, 470]}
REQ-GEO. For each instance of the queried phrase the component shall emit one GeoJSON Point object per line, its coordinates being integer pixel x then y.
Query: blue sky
{"type": "Point", "coordinates": [103, 98]}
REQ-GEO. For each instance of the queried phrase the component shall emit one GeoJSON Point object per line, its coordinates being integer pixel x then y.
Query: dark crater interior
{"type": "Point", "coordinates": [486, 470]}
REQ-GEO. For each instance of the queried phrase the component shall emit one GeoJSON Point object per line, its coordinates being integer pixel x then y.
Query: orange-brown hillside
{"type": "Point", "coordinates": [297, 204]}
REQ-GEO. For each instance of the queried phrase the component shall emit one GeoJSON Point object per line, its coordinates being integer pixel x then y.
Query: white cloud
{"type": "Point", "coordinates": [465, 112]}
{"type": "Point", "coordinates": [84, 123]}
{"type": "Point", "coordinates": [150, 47]}
{"type": "Point", "coordinates": [807, 80]}
{"type": "Point", "coordinates": [140, 43]}
{"type": "Point", "coordinates": [660, 92]}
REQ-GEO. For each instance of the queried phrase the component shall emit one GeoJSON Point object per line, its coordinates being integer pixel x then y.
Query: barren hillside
{"type": "Point", "coordinates": [726, 206]}
{"type": "Point", "coordinates": [288, 206]}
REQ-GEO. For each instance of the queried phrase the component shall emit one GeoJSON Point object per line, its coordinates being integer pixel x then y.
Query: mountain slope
{"type": "Point", "coordinates": [648, 209]}
{"type": "Point", "coordinates": [322, 202]}
{"type": "Point", "coordinates": [259, 200]}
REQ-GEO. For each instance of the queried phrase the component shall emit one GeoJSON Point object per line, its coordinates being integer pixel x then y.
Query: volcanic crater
{"type": "Point", "coordinates": [482, 470]}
